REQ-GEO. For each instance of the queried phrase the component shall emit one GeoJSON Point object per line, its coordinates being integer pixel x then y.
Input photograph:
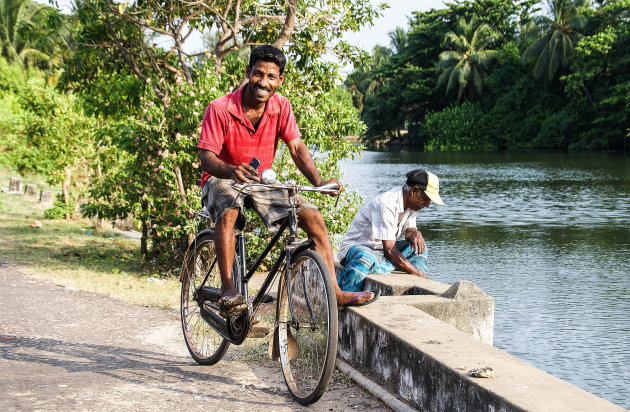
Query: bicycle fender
{"type": "Point", "coordinates": [307, 244]}
{"type": "Point", "coordinates": [203, 232]}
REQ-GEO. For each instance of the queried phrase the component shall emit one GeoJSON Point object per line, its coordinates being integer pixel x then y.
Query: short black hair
{"type": "Point", "coordinates": [268, 53]}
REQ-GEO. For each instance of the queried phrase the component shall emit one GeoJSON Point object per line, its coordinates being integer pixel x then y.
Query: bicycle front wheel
{"type": "Point", "coordinates": [307, 335]}
{"type": "Point", "coordinates": [200, 268]}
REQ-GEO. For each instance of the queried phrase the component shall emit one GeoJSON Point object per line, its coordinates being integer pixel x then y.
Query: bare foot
{"type": "Point", "coordinates": [344, 298]}
{"type": "Point", "coordinates": [229, 292]}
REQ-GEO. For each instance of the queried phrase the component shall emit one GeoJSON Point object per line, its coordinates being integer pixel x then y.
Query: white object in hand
{"type": "Point", "coordinates": [268, 176]}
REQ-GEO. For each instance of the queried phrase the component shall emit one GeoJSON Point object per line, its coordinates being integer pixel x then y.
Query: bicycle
{"type": "Point", "coordinates": [306, 324]}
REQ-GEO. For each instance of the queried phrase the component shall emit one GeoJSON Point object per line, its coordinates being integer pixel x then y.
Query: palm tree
{"type": "Point", "coordinates": [16, 17]}
{"type": "Point", "coordinates": [468, 60]}
{"type": "Point", "coordinates": [556, 37]}
{"type": "Point", "coordinates": [398, 39]}
{"type": "Point", "coordinates": [363, 82]}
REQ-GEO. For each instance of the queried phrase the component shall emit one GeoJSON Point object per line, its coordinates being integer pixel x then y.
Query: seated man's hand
{"type": "Point", "coordinates": [416, 241]}
{"type": "Point", "coordinates": [334, 192]}
{"type": "Point", "coordinates": [243, 173]}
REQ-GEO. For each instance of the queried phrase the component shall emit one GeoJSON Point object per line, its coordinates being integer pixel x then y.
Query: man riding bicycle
{"type": "Point", "coordinates": [236, 128]}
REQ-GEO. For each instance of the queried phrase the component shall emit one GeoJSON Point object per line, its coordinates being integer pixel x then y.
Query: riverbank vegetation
{"type": "Point", "coordinates": [495, 74]}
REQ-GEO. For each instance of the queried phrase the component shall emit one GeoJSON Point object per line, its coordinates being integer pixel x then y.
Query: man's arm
{"type": "Point", "coordinates": [304, 162]}
{"type": "Point", "coordinates": [393, 255]}
{"type": "Point", "coordinates": [211, 163]}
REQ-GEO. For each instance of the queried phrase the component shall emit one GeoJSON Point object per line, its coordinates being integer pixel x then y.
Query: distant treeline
{"type": "Point", "coordinates": [498, 74]}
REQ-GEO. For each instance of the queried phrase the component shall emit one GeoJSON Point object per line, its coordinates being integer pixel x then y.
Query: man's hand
{"type": "Point", "coordinates": [416, 241]}
{"type": "Point", "coordinates": [243, 173]}
{"type": "Point", "coordinates": [211, 163]}
{"type": "Point", "coordinates": [398, 260]}
{"type": "Point", "coordinates": [338, 191]}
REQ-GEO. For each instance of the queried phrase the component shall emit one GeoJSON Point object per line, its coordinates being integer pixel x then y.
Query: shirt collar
{"type": "Point", "coordinates": [236, 108]}
{"type": "Point", "coordinates": [400, 204]}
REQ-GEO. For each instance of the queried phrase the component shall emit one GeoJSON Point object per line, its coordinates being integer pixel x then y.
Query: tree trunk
{"type": "Point", "coordinates": [98, 222]}
{"type": "Point", "coordinates": [590, 98]}
{"type": "Point", "coordinates": [145, 231]}
{"type": "Point", "coordinates": [65, 189]}
{"type": "Point", "coordinates": [180, 183]}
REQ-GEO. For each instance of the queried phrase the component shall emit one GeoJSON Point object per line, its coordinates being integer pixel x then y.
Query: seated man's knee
{"type": "Point", "coordinates": [364, 260]}
{"type": "Point", "coordinates": [353, 275]}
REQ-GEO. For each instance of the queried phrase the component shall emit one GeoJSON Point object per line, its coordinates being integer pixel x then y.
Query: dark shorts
{"type": "Point", "coordinates": [221, 195]}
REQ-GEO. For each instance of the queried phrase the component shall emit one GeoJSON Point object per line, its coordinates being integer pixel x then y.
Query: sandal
{"type": "Point", "coordinates": [356, 297]}
{"type": "Point", "coordinates": [232, 306]}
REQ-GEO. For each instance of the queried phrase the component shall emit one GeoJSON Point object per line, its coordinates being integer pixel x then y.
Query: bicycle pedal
{"type": "Point", "coordinates": [234, 311]}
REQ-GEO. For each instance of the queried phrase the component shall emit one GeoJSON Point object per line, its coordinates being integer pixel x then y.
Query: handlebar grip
{"type": "Point", "coordinates": [330, 186]}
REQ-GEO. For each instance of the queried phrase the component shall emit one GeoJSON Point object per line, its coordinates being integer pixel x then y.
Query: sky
{"type": "Point", "coordinates": [396, 15]}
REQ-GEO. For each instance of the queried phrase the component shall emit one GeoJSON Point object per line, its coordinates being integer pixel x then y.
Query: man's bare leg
{"type": "Point", "coordinates": [226, 244]}
{"type": "Point", "coordinates": [312, 222]}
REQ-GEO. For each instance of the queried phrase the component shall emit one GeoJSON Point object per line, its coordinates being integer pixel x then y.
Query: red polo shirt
{"type": "Point", "coordinates": [227, 132]}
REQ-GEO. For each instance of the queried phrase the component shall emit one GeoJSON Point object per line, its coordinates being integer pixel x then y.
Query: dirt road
{"type": "Point", "coordinates": [63, 349]}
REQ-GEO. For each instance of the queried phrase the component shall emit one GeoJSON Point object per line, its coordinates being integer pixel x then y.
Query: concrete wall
{"type": "Point", "coordinates": [421, 349]}
{"type": "Point", "coordinates": [462, 305]}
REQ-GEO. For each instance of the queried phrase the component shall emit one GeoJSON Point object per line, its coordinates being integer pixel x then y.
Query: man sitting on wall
{"type": "Point", "coordinates": [371, 245]}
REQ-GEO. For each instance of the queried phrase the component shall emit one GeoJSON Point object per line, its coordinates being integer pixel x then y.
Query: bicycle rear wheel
{"type": "Point", "coordinates": [205, 345]}
{"type": "Point", "coordinates": [307, 341]}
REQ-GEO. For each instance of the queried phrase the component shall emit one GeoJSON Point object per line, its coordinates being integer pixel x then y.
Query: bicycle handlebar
{"type": "Point", "coordinates": [330, 187]}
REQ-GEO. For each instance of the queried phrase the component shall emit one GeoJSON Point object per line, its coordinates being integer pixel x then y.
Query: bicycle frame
{"type": "Point", "coordinates": [235, 330]}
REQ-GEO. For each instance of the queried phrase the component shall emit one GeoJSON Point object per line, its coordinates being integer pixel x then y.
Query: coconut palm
{"type": "Point", "coordinates": [398, 39]}
{"type": "Point", "coordinates": [469, 58]}
{"type": "Point", "coordinates": [363, 82]}
{"type": "Point", "coordinates": [556, 37]}
{"type": "Point", "coordinates": [16, 18]}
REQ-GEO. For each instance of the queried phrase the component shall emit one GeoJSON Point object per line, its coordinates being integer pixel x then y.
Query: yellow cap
{"type": "Point", "coordinates": [433, 189]}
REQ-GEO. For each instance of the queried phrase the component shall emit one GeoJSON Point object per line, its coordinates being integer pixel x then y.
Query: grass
{"type": "Point", "coordinates": [76, 254]}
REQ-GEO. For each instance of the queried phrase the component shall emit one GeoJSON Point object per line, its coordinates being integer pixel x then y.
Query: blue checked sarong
{"type": "Point", "coordinates": [361, 261]}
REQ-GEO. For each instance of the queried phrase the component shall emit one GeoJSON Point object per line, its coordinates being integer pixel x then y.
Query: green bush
{"type": "Point", "coordinates": [59, 209]}
{"type": "Point", "coordinates": [457, 128]}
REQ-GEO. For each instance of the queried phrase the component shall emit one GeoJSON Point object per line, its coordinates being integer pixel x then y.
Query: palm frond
{"type": "Point", "coordinates": [577, 23]}
{"type": "Point", "coordinates": [463, 79]}
{"type": "Point", "coordinates": [444, 76]}
{"type": "Point", "coordinates": [33, 56]}
{"type": "Point", "coordinates": [450, 54]}
{"type": "Point", "coordinates": [453, 79]}
{"type": "Point", "coordinates": [453, 39]}
{"type": "Point", "coordinates": [536, 48]}
{"type": "Point", "coordinates": [483, 58]}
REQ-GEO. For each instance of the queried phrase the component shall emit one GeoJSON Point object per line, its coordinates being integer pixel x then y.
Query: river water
{"type": "Point", "coordinates": [547, 235]}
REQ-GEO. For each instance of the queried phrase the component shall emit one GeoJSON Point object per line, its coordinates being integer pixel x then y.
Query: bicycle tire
{"type": "Point", "coordinates": [307, 355]}
{"type": "Point", "coordinates": [206, 346]}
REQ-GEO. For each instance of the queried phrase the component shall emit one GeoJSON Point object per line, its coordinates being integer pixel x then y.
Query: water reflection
{"type": "Point", "coordinates": [546, 234]}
